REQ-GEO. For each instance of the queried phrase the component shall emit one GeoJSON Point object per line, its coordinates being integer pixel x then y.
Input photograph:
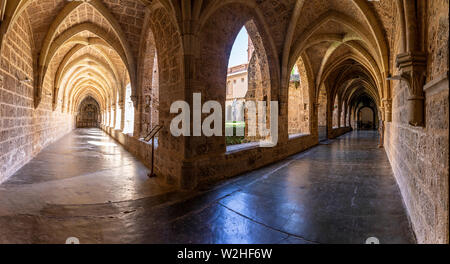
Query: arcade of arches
{"type": "Point", "coordinates": [340, 70]}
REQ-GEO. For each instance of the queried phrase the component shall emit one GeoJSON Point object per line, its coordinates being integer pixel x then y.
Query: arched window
{"type": "Point", "coordinates": [237, 88]}
{"type": "Point", "coordinates": [322, 113]}
{"type": "Point", "coordinates": [298, 101]}
{"type": "Point", "coordinates": [129, 112]}
{"type": "Point", "coordinates": [248, 62]}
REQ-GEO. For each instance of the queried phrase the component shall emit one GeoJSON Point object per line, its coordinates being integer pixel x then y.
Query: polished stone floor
{"type": "Point", "coordinates": [87, 186]}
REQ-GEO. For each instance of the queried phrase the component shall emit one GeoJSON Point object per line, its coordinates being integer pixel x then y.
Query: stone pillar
{"type": "Point", "coordinates": [330, 107]}
{"type": "Point", "coordinates": [314, 114]}
{"type": "Point", "coordinates": [136, 123]}
{"type": "Point", "coordinates": [118, 117]}
{"type": "Point", "coordinates": [121, 105]}
{"type": "Point", "coordinates": [108, 116]}
{"type": "Point", "coordinates": [339, 113]}
{"type": "Point", "coordinates": [413, 70]}
{"type": "Point", "coordinates": [381, 133]}
{"type": "Point", "coordinates": [113, 113]}
{"type": "Point", "coordinates": [345, 115]}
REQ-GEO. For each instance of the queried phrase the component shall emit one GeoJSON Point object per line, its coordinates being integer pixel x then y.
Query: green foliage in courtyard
{"type": "Point", "coordinates": [234, 140]}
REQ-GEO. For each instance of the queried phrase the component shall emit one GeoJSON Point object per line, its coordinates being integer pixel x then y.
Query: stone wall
{"type": "Point", "coordinates": [419, 158]}
{"type": "Point", "coordinates": [420, 155]}
{"type": "Point", "coordinates": [220, 166]}
{"type": "Point", "coordinates": [88, 113]}
{"type": "Point", "coordinates": [24, 130]}
{"type": "Point", "coordinates": [171, 88]}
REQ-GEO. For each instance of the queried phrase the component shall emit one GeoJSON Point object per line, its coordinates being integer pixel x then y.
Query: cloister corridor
{"type": "Point", "coordinates": [274, 121]}
{"type": "Point", "coordinates": [87, 186]}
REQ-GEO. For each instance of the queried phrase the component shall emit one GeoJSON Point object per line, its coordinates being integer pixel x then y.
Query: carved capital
{"type": "Point", "coordinates": [135, 100]}
{"type": "Point", "coordinates": [387, 105]}
{"type": "Point", "coordinates": [413, 70]}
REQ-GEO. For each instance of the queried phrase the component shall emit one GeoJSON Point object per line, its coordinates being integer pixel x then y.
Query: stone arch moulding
{"type": "Point", "coordinates": [359, 54]}
{"type": "Point", "coordinates": [147, 72]}
{"type": "Point", "coordinates": [84, 95]}
{"type": "Point", "coordinates": [258, 20]}
{"type": "Point", "coordinates": [2, 9]}
{"type": "Point", "coordinates": [366, 64]}
{"type": "Point", "coordinates": [10, 12]}
{"type": "Point", "coordinates": [63, 67]}
{"type": "Point", "coordinates": [70, 36]}
{"type": "Point", "coordinates": [86, 60]}
{"type": "Point", "coordinates": [53, 43]}
{"type": "Point", "coordinates": [348, 22]}
{"type": "Point", "coordinates": [375, 28]}
{"type": "Point", "coordinates": [87, 92]}
{"type": "Point", "coordinates": [81, 78]}
{"type": "Point", "coordinates": [215, 54]}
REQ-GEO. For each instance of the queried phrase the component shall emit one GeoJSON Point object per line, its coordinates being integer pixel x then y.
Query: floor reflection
{"type": "Point", "coordinates": [87, 186]}
{"type": "Point", "coordinates": [102, 144]}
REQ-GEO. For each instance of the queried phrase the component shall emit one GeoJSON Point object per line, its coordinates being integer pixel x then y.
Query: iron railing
{"type": "Point", "coordinates": [151, 136]}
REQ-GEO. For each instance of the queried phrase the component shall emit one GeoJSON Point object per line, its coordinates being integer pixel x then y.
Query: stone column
{"type": "Point", "coordinates": [330, 106]}
{"type": "Point", "coordinates": [381, 132]}
{"type": "Point", "coordinates": [345, 115]}
{"type": "Point", "coordinates": [108, 116]}
{"type": "Point", "coordinates": [118, 117]}
{"type": "Point", "coordinates": [113, 110]}
{"type": "Point", "coordinates": [121, 105]}
{"type": "Point", "coordinates": [339, 114]}
{"type": "Point", "coordinates": [136, 123]}
{"type": "Point", "coordinates": [314, 114]}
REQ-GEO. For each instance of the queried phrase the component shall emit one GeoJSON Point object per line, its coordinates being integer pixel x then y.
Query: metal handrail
{"type": "Point", "coordinates": [152, 133]}
{"type": "Point", "coordinates": [151, 136]}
